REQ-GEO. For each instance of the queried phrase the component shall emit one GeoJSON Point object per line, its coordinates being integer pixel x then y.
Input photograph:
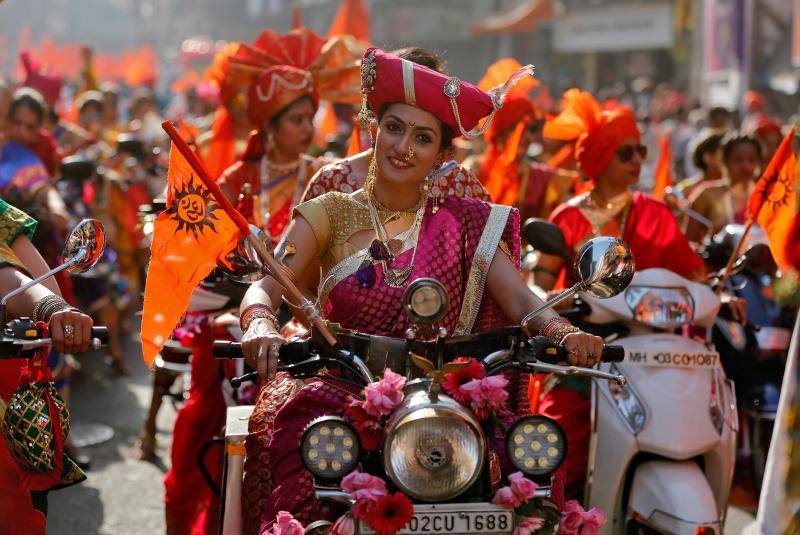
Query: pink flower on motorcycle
{"type": "Point", "coordinates": [285, 524]}
{"type": "Point", "coordinates": [384, 395]}
{"type": "Point", "coordinates": [344, 526]}
{"type": "Point", "coordinates": [453, 381]}
{"type": "Point", "coordinates": [506, 498]}
{"type": "Point", "coordinates": [532, 524]}
{"type": "Point", "coordinates": [593, 520]}
{"type": "Point", "coordinates": [365, 489]}
{"type": "Point", "coordinates": [523, 487]}
{"type": "Point", "coordinates": [487, 394]}
{"type": "Point", "coordinates": [571, 518]}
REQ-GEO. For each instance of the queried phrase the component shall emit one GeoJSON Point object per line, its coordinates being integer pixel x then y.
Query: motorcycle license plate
{"type": "Point", "coordinates": [456, 519]}
{"type": "Point", "coordinates": [672, 359]}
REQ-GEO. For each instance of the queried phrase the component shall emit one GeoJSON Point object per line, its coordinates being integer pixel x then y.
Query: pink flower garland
{"type": "Point", "coordinates": [471, 387]}
{"type": "Point", "coordinates": [576, 521]}
{"type": "Point", "coordinates": [519, 491]}
{"type": "Point", "coordinates": [286, 524]}
{"type": "Point", "coordinates": [380, 399]}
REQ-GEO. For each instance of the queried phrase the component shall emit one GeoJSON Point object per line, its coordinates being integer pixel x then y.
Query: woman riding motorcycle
{"type": "Point", "coordinates": [370, 244]}
{"type": "Point", "coordinates": [23, 500]}
{"type": "Point", "coordinates": [609, 152]}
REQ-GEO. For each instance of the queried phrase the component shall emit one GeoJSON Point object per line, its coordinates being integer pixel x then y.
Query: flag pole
{"type": "Point", "coordinates": [238, 219]}
{"type": "Point", "coordinates": [726, 273]}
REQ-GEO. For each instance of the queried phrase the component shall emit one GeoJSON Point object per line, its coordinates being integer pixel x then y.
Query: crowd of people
{"type": "Point", "coordinates": [366, 180]}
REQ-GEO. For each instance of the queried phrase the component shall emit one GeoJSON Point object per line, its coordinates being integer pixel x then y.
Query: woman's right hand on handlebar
{"type": "Point", "coordinates": [261, 344]}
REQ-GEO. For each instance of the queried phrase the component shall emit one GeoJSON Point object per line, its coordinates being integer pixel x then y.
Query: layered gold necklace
{"type": "Point", "coordinates": [383, 249]}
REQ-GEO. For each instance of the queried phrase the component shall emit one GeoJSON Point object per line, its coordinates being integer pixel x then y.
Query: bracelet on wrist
{"type": "Point", "coordinates": [47, 306]}
{"type": "Point", "coordinates": [557, 329]}
{"type": "Point", "coordinates": [253, 312]}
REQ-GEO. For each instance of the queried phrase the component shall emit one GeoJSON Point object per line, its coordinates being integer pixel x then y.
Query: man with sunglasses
{"type": "Point", "coordinates": [609, 151]}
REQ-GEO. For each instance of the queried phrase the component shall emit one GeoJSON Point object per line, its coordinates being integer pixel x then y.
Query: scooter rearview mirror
{"type": "Point", "coordinates": [604, 266]}
{"type": "Point", "coordinates": [545, 237]}
{"type": "Point", "coordinates": [84, 246]}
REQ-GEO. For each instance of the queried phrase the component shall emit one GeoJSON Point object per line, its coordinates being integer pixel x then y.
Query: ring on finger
{"type": "Point", "coordinates": [69, 332]}
{"type": "Point", "coordinates": [275, 348]}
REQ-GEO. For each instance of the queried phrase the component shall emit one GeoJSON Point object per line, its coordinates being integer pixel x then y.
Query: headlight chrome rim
{"type": "Point", "coordinates": [550, 427]}
{"type": "Point", "coordinates": [348, 458]}
{"type": "Point", "coordinates": [418, 407]}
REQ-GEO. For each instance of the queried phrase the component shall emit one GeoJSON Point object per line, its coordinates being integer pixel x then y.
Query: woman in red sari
{"type": "Point", "coordinates": [471, 246]}
{"type": "Point", "coordinates": [609, 152]}
{"type": "Point", "coordinates": [21, 492]}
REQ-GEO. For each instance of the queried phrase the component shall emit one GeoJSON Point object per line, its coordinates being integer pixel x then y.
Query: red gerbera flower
{"type": "Point", "coordinates": [453, 381]}
{"type": "Point", "coordinates": [368, 428]}
{"type": "Point", "coordinates": [390, 514]}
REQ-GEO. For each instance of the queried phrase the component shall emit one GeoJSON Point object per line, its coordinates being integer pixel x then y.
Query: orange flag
{"type": "Point", "coordinates": [663, 178]}
{"type": "Point", "coordinates": [351, 19]}
{"type": "Point", "coordinates": [773, 203]}
{"type": "Point", "coordinates": [189, 237]}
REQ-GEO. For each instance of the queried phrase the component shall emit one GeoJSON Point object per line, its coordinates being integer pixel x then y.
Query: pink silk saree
{"type": "Point", "coordinates": [456, 246]}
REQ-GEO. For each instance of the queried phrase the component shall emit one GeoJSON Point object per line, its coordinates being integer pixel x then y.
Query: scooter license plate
{"type": "Point", "coordinates": [672, 359]}
{"type": "Point", "coordinates": [456, 519]}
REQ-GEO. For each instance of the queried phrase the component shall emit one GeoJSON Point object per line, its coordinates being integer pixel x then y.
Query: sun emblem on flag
{"type": "Point", "coordinates": [193, 209]}
{"type": "Point", "coordinates": [779, 191]}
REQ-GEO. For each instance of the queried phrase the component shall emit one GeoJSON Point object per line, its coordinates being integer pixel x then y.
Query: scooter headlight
{"type": "Point", "coordinates": [628, 404]}
{"type": "Point", "coordinates": [329, 448]}
{"type": "Point", "coordinates": [536, 445]}
{"type": "Point", "coordinates": [434, 452]}
{"type": "Point", "coordinates": [665, 308]}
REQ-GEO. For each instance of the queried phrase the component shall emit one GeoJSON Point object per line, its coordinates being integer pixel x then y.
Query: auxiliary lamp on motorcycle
{"type": "Point", "coordinates": [536, 445]}
{"type": "Point", "coordinates": [329, 449]}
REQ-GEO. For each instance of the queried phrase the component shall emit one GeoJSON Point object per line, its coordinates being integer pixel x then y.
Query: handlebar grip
{"type": "Point", "coordinates": [291, 352]}
{"type": "Point", "coordinates": [546, 350]}
{"type": "Point", "coordinates": [227, 350]}
{"type": "Point", "coordinates": [100, 333]}
{"type": "Point", "coordinates": [613, 354]}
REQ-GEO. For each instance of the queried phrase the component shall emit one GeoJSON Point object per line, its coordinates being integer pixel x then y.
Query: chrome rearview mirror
{"type": "Point", "coordinates": [604, 266]}
{"type": "Point", "coordinates": [84, 246]}
{"type": "Point", "coordinates": [243, 263]}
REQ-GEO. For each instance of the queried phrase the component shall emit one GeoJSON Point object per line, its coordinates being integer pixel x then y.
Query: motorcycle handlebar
{"type": "Point", "coordinates": [545, 350]}
{"type": "Point", "coordinates": [542, 348]}
{"type": "Point", "coordinates": [101, 334]}
{"type": "Point", "coordinates": [290, 352]}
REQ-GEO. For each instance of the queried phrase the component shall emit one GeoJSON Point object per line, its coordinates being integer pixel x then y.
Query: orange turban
{"type": "Point", "coordinates": [276, 88]}
{"type": "Point", "coordinates": [597, 133]}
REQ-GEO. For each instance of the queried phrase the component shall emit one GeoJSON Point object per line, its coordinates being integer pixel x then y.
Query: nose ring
{"type": "Point", "coordinates": [409, 154]}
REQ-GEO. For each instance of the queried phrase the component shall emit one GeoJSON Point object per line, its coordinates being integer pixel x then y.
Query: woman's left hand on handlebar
{"type": "Point", "coordinates": [583, 349]}
{"type": "Point", "coordinates": [70, 330]}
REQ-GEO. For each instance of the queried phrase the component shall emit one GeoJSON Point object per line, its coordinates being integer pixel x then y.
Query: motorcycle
{"type": "Point", "coordinates": [433, 448]}
{"type": "Point", "coordinates": [753, 354]}
{"type": "Point", "coordinates": [663, 446]}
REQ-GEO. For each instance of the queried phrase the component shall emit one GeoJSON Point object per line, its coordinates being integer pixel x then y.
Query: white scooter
{"type": "Point", "coordinates": [663, 446]}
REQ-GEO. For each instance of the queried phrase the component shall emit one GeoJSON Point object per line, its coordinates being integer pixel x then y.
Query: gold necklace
{"type": "Point", "coordinates": [601, 202]}
{"type": "Point", "coordinates": [384, 250]}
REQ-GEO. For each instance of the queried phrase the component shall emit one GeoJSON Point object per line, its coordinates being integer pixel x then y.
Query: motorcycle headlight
{"type": "Point", "coordinates": [628, 404]}
{"type": "Point", "coordinates": [433, 451]}
{"type": "Point", "coordinates": [536, 445]}
{"type": "Point", "coordinates": [329, 448]}
{"type": "Point", "coordinates": [666, 308]}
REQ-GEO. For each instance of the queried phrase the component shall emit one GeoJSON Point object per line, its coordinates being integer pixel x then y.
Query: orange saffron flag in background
{"type": "Point", "coordinates": [189, 237]}
{"type": "Point", "coordinates": [773, 203]}
{"type": "Point", "coordinates": [663, 175]}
